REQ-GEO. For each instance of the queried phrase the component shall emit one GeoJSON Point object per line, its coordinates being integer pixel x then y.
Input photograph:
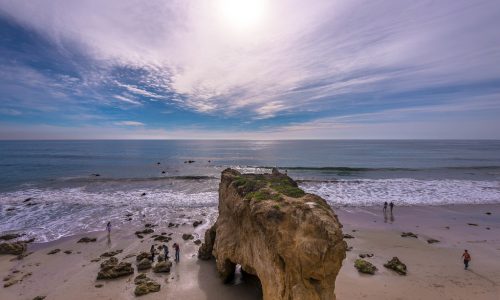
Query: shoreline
{"type": "Point", "coordinates": [434, 270]}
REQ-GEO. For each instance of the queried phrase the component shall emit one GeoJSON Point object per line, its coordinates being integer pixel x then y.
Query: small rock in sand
{"type": "Point", "coordinates": [363, 255]}
{"type": "Point", "coordinates": [111, 253]}
{"type": "Point", "coordinates": [432, 241]}
{"type": "Point", "coordinates": [472, 224]}
{"type": "Point", "coordinates": [54, 251]}
{"type": "Point", "coordinates": [364, 266]}
{"type": "Point", "coordinates": [112, 269]}
{"type": "Point", "coordinates": [162, 267]}
{"type": "Point", "coordinates": [396, 265]}
{"type": "Point", "coordinates": [197, 242]}
{"type": "Point", "coordinates": [68, 251]}
{"type": "Point", "coordinates": [187, 236]}
{"type": "Point", "coordinates": [162, 238]}
{"type": "Point", "coordinates": [348, 236]}
{"type": "Point", "coordinates": [144, 264]}
{"type": "Point", "coordinates": [409, 234]}
{"type": "Point", "coordinates": [10, 282]}
{"type": "Point", "coordinates": [146, 287]}
{"type": "Point", "coordinates": [87, 240]}
{"type": "Point", "coordinates": [142, 256]}
{"type": "Point", "coordinates": [99, 285]}
{"type": "Point", "coordinates": [145, 231]}
{"type": "Point", "coordinates": [39, 298]}
{"type": "Point", "coordinates": [488, 213]}
{"type": "Point", "coordinates": [12, 248]}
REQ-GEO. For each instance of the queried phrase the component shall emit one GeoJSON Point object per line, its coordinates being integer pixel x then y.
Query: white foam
{"type": "Point", "coordinates": [366, 192]}
{"type": "Point", "coordinates": [67, 211]}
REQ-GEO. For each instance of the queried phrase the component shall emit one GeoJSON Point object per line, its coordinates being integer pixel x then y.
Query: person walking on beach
{"type": "Point", "coordinates": [177, 250]}
{"type": "Point", "coordinates": [392, 206]}
{"type": "Point", "coordinates": [108, 227]}
{"type": "Point", "coordinates": [152, 250]}
{"type": "Point", "coordinates": [385, 206]}
{"type": "Point", "coordinates": [467, 258]}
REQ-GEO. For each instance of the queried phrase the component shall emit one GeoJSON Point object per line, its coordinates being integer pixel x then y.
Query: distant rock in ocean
{"type": "Point", "coordinates": [290, 240]}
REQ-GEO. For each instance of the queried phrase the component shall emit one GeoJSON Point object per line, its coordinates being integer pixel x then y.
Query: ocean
{"type": "Point", "coordinates": [77, 186]}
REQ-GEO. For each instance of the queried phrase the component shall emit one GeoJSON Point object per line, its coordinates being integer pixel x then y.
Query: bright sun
{"type": "Point", "coordinates": [242, 14]}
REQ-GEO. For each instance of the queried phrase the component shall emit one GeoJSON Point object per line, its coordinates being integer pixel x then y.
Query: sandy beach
{"type": "Point", "coordinates": [434, 270]}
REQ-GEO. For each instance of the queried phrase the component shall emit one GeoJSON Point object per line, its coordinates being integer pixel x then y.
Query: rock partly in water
{"type": "Point", "coordinates": [197, 242]}
{"type": "Point", "coordinates": [10, 236]}
{"type": "Point", "coordinates": [409, 234]}
{"type": "Point", "coordinates": [17, 248]}
{"type": "Point", "coordinates": [364, 266]}
{"type": "Point", "coordinates": [290, 240]}
{"type": "Point", "coordinates": [144, 264]}
{"type": "Point", "coordinates": [396, 265]}
{"type": "Point", "coordinates": [162, 267]}
{"type": "Point", "coordinates": [197, 223]}
{"type": "Point", "coordinates": [86, 240]}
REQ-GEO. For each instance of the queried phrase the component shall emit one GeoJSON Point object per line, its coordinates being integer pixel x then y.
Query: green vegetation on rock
{"type": "Point", "coordinates": [252, 187]}
{"type": "Point", "coordinates": [364, 266]}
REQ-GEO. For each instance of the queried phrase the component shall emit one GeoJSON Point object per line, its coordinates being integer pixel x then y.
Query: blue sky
{"type": "Point", "coordinates": [245, 69]}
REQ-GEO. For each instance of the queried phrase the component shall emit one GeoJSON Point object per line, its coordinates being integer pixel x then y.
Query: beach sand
{"type": "Point", "coordinates": [435, 271]}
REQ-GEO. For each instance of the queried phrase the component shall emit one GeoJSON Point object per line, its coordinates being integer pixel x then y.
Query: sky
{"type": "Point", "coordinates": [249, 69]}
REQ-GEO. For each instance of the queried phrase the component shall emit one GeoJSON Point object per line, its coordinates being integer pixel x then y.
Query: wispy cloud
{"type": "Point", "coordinates": [300, 65]}
{"type": "Point", "coordinates": [129, 123]}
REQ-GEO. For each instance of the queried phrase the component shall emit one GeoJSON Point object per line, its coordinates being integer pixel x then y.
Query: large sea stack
{"type": "Point", "coordinates": [290, 240]}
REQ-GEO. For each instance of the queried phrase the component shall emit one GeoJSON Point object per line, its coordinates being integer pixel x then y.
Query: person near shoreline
{"type": "Point", "coordinates": [385, 206]}
{"type": "Point", "coordinates": [467, 259]}
{"type": "Point", "coordinates": [152, 250]}
{"type": "Point", "coordinates": [165, 250]}
{"type": "Point", "coordinates": [392, 206]}
{"type": "Point", "coordinates": [177, 250]}
{"type": "Point", "coordinates": [108, 227]}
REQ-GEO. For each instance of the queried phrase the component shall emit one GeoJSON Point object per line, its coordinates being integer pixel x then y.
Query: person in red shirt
{"type": "Point", "coordinates": [467, 258]}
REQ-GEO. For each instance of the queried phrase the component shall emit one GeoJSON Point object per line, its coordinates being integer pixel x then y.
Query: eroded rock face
{"type": "Point", "coordinates": [292, 241]}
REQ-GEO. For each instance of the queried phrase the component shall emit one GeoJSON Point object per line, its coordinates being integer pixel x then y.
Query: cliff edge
{"type": "Point", "coordinates": [290, 240]}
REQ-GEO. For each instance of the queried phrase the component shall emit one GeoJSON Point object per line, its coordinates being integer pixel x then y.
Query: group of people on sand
{"type": "Point", "coordinates": [466, 255]}
{"type": "Point", "coordinates": [176, 247]}
{"type": "Point", "coordinates": [166, 252]}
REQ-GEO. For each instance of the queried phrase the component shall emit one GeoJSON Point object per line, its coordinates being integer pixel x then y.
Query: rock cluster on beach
{"type": "Point", "coordinates": [112, 269]}
{"type": "Point", "coordinates": [292, 241]}
{"type": "Point", "coordinates": [145, 285]}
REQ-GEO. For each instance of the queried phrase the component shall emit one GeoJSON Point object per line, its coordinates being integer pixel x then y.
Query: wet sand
{"type": "Point", "coordinates": [435, 271]}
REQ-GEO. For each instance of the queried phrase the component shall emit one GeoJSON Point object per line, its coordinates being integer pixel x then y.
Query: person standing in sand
{"type": "Point", "coordinates": [177, 250]}
{"type": "Point", "coordinates": [467, 259]}
{"type": "Point", "coordinates": [392, 206]}
{"type": "Point", "coordinates": [152, 250]}
{"type": "Point", "coordinates": [108, 227]}
{"type": "Point", "coordinates": [385, 206]}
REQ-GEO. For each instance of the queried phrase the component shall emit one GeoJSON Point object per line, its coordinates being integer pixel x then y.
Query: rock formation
{"type": "Point", "coordinates": [112, 269]}
{"type": "Point", "coordinates": [396, 265]}
{"type": "Point", "coordinates": [290, 240]}
{"type": "Point", "coordinates": [364, 266]}
{"type": "Point", "coordinates": [12, 248]}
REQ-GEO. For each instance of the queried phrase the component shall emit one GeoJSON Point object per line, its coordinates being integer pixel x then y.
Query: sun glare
{"type": "Point", "coordinates": [242, 14]}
